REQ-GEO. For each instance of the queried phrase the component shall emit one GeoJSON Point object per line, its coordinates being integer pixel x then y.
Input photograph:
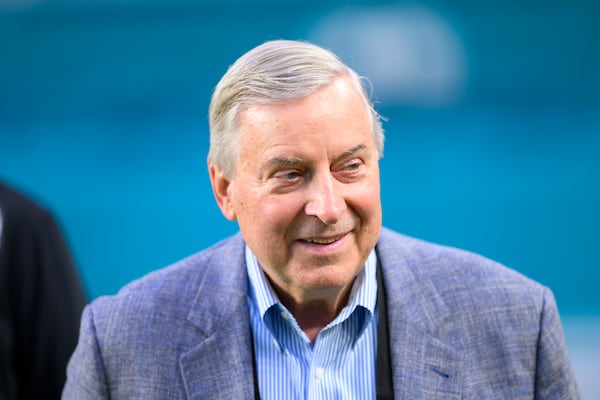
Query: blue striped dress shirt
{"type": "Point", "coordinates": [340, 364]}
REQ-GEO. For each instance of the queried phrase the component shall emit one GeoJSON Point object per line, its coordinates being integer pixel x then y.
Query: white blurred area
{"type": "Point", "coordinates": [583, 342]}
{"type": "Point", "coordinates": [411, 55]}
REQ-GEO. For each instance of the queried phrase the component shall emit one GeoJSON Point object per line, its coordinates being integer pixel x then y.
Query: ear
{"type": "Point", "coordinates": [220, 187]}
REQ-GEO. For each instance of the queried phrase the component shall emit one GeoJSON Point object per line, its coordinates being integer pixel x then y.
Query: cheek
{"type": "Point", "coordinates": [366, 203]}
{"type": "Point", "coordinates": [366, 199]}
{"type": "Point", "coordinates": [243, 201]}
{"type": "Point", "coordinates": [280, 211]}
{"type": "Point", "coordinates": [283, 215]}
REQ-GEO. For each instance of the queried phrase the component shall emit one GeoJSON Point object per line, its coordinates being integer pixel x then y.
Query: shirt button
{"type": "Point", "coordinates": [285, 315]}
{"type": "Point", "coordinates": [319, 373]}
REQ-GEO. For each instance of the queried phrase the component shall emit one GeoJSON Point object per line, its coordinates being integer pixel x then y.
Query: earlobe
{"type": "Point", "coordinates": [221, 190]}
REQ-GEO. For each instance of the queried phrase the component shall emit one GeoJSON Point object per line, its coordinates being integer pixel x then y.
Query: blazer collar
{"type": "Point", "coordinates": [221, 365]}
{"type": "Point", "coordinates": [424, 365]}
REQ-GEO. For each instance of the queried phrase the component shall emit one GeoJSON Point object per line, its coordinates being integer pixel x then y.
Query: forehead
{"type": "Point", "coordinates": [335, 115]}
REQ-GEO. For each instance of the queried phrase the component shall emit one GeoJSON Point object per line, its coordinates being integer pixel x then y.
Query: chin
{"type": "Point", "coordinates": [333, 278]}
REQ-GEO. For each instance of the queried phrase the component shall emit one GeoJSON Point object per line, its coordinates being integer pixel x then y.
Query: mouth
{"type": "Point", "coordinates": [323, 241]}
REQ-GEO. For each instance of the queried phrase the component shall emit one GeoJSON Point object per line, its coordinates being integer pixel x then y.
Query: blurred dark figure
{"type": "Point", "coordinates": [41, 300]}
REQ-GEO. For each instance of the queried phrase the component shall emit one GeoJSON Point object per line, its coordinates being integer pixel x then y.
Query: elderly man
{"type": "Point", "coordinates": [314, 299]}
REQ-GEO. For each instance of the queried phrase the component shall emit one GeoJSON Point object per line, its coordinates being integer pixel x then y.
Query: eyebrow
{"type": "Point", "coordinates": [279, 161]}
{"type": "Point", "coordinates": [285, 161]}
{"type": "Point", "coordinates": [353, 150]}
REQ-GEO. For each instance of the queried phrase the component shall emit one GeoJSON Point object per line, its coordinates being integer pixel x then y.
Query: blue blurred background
{"type": "Point", "coordinates": [493, 127]}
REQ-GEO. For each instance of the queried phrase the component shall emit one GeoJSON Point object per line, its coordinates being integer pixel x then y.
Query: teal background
{"type": "Point", "coordinates": [103, 118]}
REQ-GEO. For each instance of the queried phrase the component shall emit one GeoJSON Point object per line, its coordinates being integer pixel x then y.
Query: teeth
{"type": "Point", "coordinates": [321, 241]}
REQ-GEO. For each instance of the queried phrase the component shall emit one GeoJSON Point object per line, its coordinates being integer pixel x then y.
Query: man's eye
{"type": "Point", "coordinates": [288, 175]}
{"type": "Point", "coordinates": [353, 165]}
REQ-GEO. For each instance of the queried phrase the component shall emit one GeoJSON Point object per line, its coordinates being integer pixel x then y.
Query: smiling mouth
{"type": "Point", "coordinates": [323, 240]}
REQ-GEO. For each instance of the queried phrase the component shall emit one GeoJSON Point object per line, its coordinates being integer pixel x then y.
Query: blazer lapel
{"type": "Point", "coordinates": [221, 365]}
{"type": "Point", "coordinates": [423, 364]}
{"type": "Point", "coordinates": [423, 367]}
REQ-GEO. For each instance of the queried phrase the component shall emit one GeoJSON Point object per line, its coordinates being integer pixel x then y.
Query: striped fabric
{"type": "Point", "coordinates": [340, 364]}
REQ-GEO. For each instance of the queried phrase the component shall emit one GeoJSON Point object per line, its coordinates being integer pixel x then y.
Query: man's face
{"type": "Point", "coordinates": [306, 189]}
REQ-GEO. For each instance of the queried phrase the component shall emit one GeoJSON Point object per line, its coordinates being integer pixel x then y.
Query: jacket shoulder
{"type": "Point", "coordinates": [503, 325]}
{"type": "Point", "coordinates": [462, 285]}
{"type": "Point", "coordinates": [140, 334]}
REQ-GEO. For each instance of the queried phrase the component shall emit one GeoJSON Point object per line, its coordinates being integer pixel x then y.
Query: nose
{"type": "Point", "coordinates": [325, 200]}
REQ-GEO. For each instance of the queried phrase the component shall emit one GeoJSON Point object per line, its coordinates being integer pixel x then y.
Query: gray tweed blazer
{"type": "Point", "coordinates": [461, 327]}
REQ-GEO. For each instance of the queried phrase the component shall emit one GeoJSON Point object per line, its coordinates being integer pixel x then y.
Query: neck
{"type": "Point", "coordinates": [314, 312]}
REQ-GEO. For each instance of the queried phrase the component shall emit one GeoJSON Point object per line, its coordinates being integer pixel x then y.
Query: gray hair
{"type": "Point", "coordinates": [274, 72]}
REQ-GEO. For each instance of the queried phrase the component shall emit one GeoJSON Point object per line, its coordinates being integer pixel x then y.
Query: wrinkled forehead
{"type": "Point", "coordinates": [333, 114]}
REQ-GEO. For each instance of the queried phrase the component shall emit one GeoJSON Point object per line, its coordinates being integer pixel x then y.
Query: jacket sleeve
{"type": "Point", "coordinates": [554, 376]}
{"type": "Point", "coordinates": [86, 378]}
